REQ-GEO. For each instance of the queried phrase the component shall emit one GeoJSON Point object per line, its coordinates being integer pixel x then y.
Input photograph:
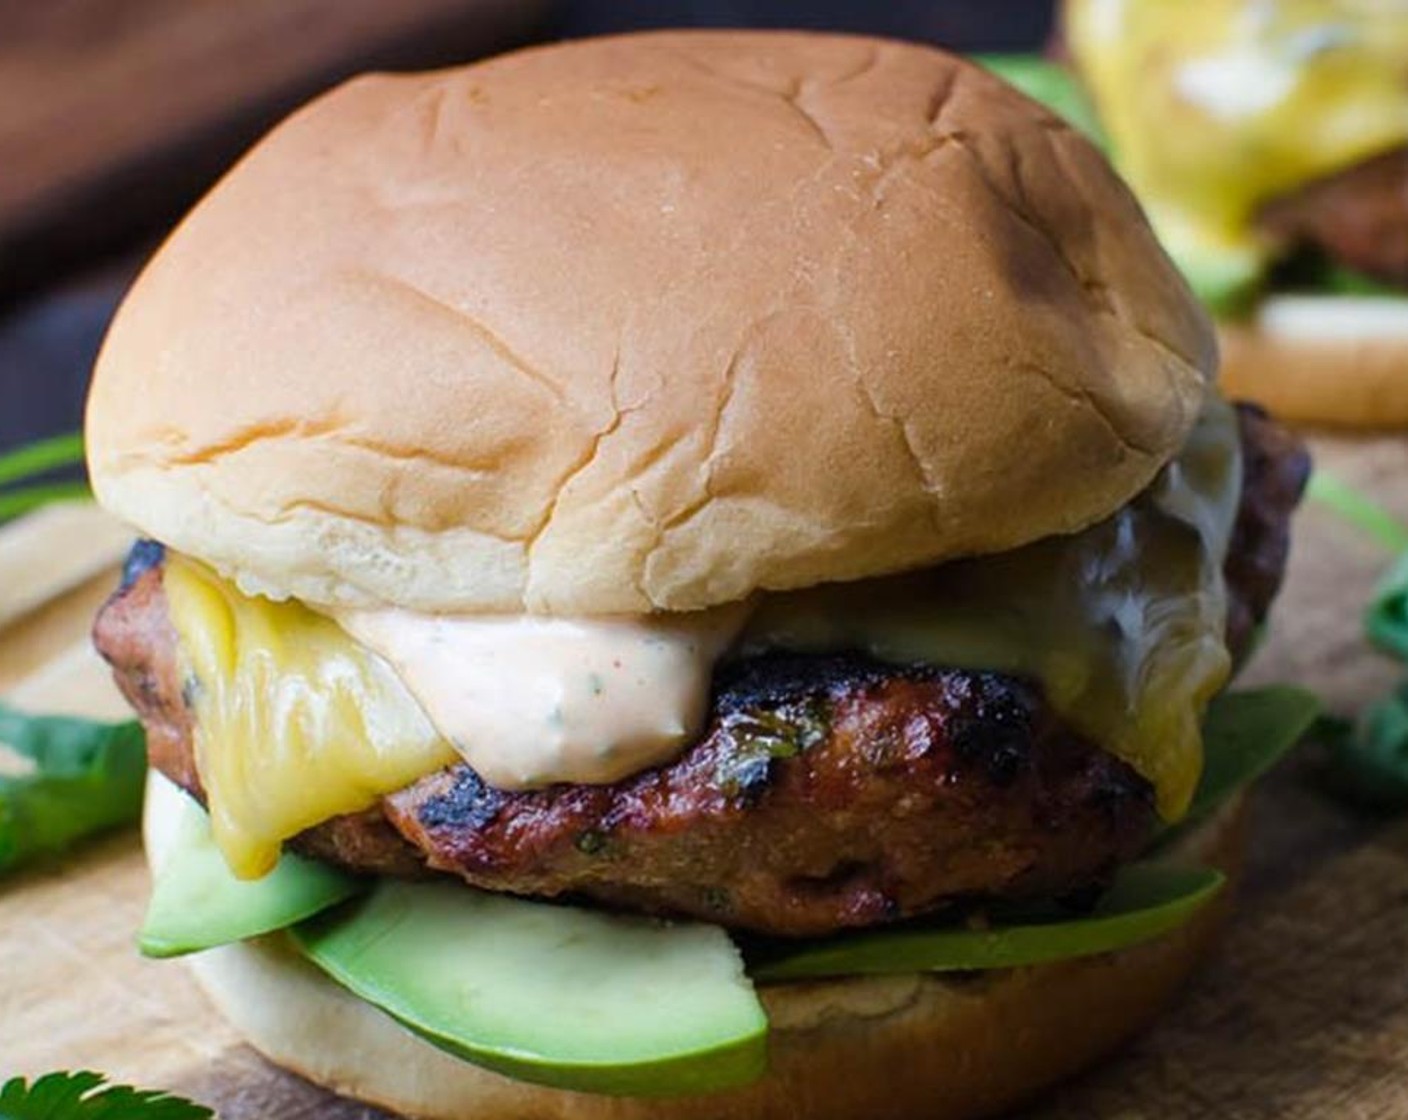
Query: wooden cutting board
{"type": "Point", "coordinates": [1303, 1012]}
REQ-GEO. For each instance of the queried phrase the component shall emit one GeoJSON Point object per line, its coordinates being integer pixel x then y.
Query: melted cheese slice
{"type": "Point", "coordinates": [296, 721]}
{"type": "Point", "coordinates": [1122, 624]}
{"type": "Point", "coordinates": [1215, 107]}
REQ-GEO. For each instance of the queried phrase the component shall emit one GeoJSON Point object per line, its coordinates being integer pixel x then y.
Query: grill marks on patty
{"type": "Point", "coordinates": [825, 792]}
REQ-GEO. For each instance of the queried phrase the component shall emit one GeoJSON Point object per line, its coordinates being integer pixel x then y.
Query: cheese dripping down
{"type": "Point", "coordinates": [1122, 624]}
{"type": "Point", "coordinates": [296, 720]}
{"type": "Point", "coordinates": [1216, 107]}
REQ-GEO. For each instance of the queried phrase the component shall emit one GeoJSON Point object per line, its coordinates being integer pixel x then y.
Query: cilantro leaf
{"type": "Point", "coordinates": [1369, 755]}
{"type": "Point", "coordinates": [1387, 619]}
{"type": "Point", "coordinates": [85, 777]}
{"type": "Point", "coordinates": [83, 1096]}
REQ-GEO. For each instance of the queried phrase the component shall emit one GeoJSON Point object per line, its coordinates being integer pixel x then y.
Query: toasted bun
{"type": "Point", "coordinates": [903, 1047]}
{"type": "Point", "coordinates": [645, 322]}
{"type": "Point", "coordinates": [1340, 360]}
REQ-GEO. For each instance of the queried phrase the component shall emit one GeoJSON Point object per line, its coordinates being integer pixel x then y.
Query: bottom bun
{"type": "Point", "coordinates": [931, 1047]}
{"type": "Point", "coordinates": [1339, 360]}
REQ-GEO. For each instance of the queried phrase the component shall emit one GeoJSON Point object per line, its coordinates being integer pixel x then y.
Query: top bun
{"type": "Point", "coordinates": [646, 322]}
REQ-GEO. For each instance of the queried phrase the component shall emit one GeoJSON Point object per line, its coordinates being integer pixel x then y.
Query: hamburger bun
{"type": "Point", "coordinates": [1334, 360]}
{"type": "Point", "coordinates": [647, 322]}
{"type": "Point", "coordinates": [906, 1047]}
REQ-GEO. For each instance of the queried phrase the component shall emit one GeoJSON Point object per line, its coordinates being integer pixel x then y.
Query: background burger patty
{"type": "Point", "coordinates": [825, 792]}
{"type": "Point", "coordinates": [1275, 470]}
{"type": "Point", "coordinates": [1358, 217]}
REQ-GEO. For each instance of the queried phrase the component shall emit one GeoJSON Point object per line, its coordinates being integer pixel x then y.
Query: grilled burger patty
{"type": "Point", "coordinates": [825, 792]}
{"type": "Point", "coordinates": [1358, 217]}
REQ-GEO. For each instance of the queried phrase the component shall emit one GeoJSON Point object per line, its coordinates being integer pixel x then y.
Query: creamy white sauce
{"type": "Point", "coordinates": [530, 700]}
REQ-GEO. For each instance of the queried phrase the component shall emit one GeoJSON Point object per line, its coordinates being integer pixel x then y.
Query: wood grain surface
{"type": "Point", "coordinates": [1303, 1013]}
{"type": "Point", "coordinates": [114, 114]}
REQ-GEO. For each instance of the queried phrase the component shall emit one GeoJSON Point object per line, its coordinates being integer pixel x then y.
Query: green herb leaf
{"type": "Point", "coordinates": [1387, 617]}
{"type": "Point", "coordinates": [86, 777]}
{"type": "Point", "coordinates": [1049, 83]}
{"type": "Point", "coordinates": [1369, 756]}
{"type": "Point", "coordinates": [84, 1096]}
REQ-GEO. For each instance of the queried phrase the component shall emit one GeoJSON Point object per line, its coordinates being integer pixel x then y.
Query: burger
{"type": "Point", "coordinates": [1269, 142]}
{"type": "Point", "coordinates": [685, 575]}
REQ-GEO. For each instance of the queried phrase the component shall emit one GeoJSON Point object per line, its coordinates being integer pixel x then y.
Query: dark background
{"type": "Point", "coordinates": [76, 240]}
{"type": "Point", "coordinates": [962, 24]}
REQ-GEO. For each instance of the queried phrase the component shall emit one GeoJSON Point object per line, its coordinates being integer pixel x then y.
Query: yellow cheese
{"type": "Point", "coordinates": [294, 722]}
{"type": "Point", "coordinates": [1215, 107]}
{"type": "Point", "coordinates": [1121, 624]}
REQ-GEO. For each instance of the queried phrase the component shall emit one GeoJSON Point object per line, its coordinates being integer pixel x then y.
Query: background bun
{"type": "Point", "coordinates": [645, 322]}
{"type": "Point", "coordinates": [1339, 360]}
{"type": "Point", "coordinates": [900, 1047]}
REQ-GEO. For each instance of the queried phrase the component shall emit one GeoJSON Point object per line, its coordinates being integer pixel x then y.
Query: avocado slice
{"type": "Point", "coordinates": [197, 903]}
{"type": "Point", "coordinates": [1146, 900]}
{"type": "Point", "coordinates": [556, 995]}
{"type": "Point", "coordinates": [1244, 734]}
{"type": "Point", "coordinates": [588, 1001]}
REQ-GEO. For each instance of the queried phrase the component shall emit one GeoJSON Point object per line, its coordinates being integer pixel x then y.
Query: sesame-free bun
{"type": "Point", "coordinates": [1331, 359]}
{"type": "Point", "coordinates": [905, 1047]}
{"type": "Point", "coordinates": [646, 322]}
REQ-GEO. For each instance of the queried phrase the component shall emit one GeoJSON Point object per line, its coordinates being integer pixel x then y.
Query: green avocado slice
{"type": "Point", "coordinates": [588, 1001]}
{"type": "Point", "coordinates": [1146, 900]}
{"type": "Point", "coordinates": [1244, 734]}
{"type": "Point", "coordinates": [197, 903]}
{"type": "Point", "coordinates": [557, 995]}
